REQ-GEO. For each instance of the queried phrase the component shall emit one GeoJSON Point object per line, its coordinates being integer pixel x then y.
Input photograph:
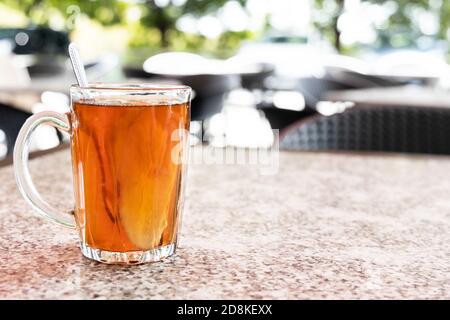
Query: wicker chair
{"type": "Point", "coordinates": [373, 128]}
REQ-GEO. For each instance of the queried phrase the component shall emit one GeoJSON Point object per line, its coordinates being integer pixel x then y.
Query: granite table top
{"type": "Point", "coordinates": [327, 225]}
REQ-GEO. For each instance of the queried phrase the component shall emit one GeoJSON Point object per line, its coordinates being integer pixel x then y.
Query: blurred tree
{"type": "Point", "coordinates": [159, 15]}
{"type": "Point", "coordinates": [326, 19]}
{"type": "Point", "coordinates": [157, 20]}
{"type": "Point", "coordinates": [164, 14]}
{"type": "Point", "coordinates": [402, 28]}
{"type": "Point", "coordinates": [107, 12]}
{"type": "Point", "coordinates": [401, 25]}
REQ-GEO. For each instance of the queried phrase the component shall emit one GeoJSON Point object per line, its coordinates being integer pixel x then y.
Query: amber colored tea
{"type": "Point", "coordinates": [127, 184]}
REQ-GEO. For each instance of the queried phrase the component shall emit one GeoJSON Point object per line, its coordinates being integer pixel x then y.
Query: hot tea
{"type": "Point", "coordinates": [127, 182]}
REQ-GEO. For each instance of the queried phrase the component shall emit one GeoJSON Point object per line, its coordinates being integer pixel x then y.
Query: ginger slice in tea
{"type": "Point", "coordinates": [147, 176]}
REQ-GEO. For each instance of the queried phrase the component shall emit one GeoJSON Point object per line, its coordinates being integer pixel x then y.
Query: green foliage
{"type": "Point", "coordinates": [157, 27]}
{"type": "Point", "coordinates": [165, 18]}
{"type": "Point", "coordinates": [325, 20]}
{"type": "Point", "coordinates": [400, 29]}
{"type": "Point", "coordinates": [107, 12]}
{"type": "Point", "coordinates": [444, 20]}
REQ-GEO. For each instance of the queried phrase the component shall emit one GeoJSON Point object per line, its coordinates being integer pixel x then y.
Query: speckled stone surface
{"type": "Point", "coordinates": [326, 226]}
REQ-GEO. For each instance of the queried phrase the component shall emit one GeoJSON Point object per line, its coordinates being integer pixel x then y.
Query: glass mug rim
{"type": "Point", "coordinates": [127, 87]}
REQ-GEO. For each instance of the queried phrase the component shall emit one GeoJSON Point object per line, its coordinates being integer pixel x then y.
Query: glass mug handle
{"type": "Point", "coordinates": [22, 173]}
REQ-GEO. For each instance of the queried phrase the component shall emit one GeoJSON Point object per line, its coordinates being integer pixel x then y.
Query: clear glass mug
{"type": "Point", "coordinates": [129, 148]}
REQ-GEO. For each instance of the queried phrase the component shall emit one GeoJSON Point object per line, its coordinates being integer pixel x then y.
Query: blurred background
{"type": "Point", "coordinates": [358, 75]}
